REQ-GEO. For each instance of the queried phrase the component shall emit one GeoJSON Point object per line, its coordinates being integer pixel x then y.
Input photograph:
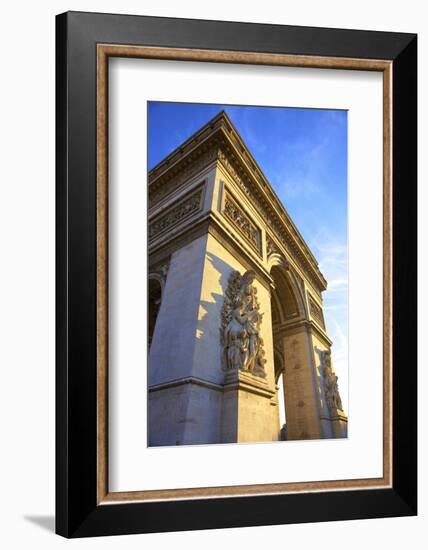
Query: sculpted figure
{"type": "Point", "coordinates": [259, 369]}
{"type": "Point", "coordinates": [333, 397]}
{"type": "Point", "coordinates": [331, 388]}
{"type": "Point", "coordinates": [241, 319]}
{"type": "Point", "coordinates": [326, 359]}
{"type": "Point", "coordinates": [234, 335]}
{"type": "Point", "coordinates": [247, 294]}
{"type": "Point", "coordinates": [251, 328]}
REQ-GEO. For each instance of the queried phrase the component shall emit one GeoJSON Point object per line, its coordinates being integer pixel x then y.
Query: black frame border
{"type": "Point", "coordinates": [77, 513]}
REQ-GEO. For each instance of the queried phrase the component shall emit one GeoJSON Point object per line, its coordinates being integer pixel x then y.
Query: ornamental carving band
{"type": "Point", "coordinates": [316, 312]}
{"type": "Point", "coordinates": [177, 213]}
{"type": "Point", "coordinates": [166, 184]}
{"type": "Point", "coordinates": [242, 222]}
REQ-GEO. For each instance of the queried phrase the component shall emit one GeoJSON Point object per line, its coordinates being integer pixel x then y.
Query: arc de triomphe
{"type": "Point", "coordinates": [235, 302]}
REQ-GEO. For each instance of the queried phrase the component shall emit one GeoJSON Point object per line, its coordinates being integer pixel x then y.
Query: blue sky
{"type": "Point", "coordinates": [303, 154]}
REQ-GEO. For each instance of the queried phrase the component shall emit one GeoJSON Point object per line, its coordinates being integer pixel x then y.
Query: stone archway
{"type": "Point", "coordinates": [294, 361]}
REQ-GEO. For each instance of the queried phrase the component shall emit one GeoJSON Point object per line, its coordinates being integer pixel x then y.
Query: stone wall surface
{"type": "Point", "coordinates": [300, 391]}
{"type": "Point", "coordinates": [173, 345]}
{"type": "Point", "coordinates": [185, 414]}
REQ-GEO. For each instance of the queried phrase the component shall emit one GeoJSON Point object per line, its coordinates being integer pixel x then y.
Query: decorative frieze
{"type": "Point", "coordinates": [316, 312]}
{"type": "Point", "coordinates": [176, 177]}
{"type": "Point", "coordinates": [181, 210]}
{"type": "Point", "coordinates": [232, 172]}
{"type": "Point", "coordinates": [242, 222]}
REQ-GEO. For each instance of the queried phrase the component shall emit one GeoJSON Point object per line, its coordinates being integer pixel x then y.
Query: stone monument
{"type": "Point", "coordinates": [235, 301]}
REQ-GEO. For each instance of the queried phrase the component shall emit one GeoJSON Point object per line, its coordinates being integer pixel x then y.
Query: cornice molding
{"type": "Point", "coordinates": [184, 381]}
{"type": "Point", "coordinates": [294, 327]}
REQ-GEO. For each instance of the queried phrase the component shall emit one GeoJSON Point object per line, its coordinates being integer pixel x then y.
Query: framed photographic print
{"type": "Point", "coordinates": [236, 274]}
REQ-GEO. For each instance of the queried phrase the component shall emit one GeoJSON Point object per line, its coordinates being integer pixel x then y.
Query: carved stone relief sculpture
{"type": "Point", "coordinates": [177, 213]}
{"type": "Point", "coordinates": [271, 247]}
{"type": "Point", "coordinates": [242, 345]}
{"type": "Point", "coordinates": [316, 312]}
{"type": "Point", "coordinates": [243, 223]}
{"type": "Point", "coordinates": [331, 388]}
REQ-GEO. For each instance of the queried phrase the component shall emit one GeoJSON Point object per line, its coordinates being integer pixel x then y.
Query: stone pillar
{"type": "Point", "coordinates": [184, 402]}
{"type": "Point", "coordinates": [173, 343]}
{"type": "Point", "coordinates": [248, 409]}
{"type": "Point", "coordinates": [301, 387]}
{"type": "Point", "coordinates": [339, 423]}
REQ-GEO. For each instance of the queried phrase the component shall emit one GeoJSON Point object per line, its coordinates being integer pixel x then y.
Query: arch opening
{"type": "Point", "coordinates": [284, 297]}
{"type": "Point", "coordinates": [287, 307]}
{"type": "Point", "coordinates": [280, 393]}
{"type": "Point", "coordinates": [154, 299]}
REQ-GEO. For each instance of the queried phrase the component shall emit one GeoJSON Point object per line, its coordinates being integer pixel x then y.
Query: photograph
{"type": "Point", "coordinates": [247, 273]}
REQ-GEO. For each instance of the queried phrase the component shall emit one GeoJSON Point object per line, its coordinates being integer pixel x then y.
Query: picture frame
{"type": "Point", "coordinates": [84, 44]}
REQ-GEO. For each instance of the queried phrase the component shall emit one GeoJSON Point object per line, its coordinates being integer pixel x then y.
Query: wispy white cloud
{"type": "Point", "coordinates": [297, 174]}
{"type": "Point", "coordinates": [255, 142]}
{"type": "Point", "coordinates": [292, 188]}
{"type": "Point", "coordinates": [335, 307]}
{"type": "Point", "coordinates": [332, 254]}
{"type": "Point", "coordinates": [337, 284]}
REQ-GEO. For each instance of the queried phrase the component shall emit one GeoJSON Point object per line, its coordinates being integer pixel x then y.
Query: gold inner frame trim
{"type": "Point", "coordinates": [104, 51]}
